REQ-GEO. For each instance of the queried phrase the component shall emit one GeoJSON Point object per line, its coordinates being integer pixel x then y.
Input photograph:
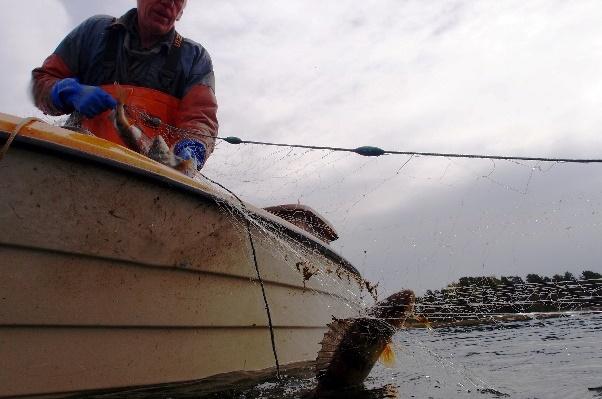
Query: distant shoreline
{"type": "Point", "coordinates": [500, 318]}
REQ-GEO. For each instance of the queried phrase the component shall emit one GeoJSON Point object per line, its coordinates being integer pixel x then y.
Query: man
{"type": "Point", "coordinates": [169, 80]}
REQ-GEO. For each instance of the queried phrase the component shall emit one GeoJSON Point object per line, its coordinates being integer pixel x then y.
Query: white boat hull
{"type": "Point", "coordinates": [112, 278]}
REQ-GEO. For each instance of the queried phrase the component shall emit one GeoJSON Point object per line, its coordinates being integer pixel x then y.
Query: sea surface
{"type": "Point", "coordinates": [549, 358]}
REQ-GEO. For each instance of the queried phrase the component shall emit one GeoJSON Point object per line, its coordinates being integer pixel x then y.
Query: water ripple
{"type": "Point", "coordinates": [551, 358]}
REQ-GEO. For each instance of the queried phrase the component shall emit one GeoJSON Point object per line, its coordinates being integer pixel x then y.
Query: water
{"type": "Point", "coordinates": [551, 358]}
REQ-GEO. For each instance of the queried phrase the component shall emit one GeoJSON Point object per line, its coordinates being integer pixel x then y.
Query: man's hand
{"type": "Point", "coordinates": [188, 149]}
{"type": "Point", "coordinates": [68, 95]}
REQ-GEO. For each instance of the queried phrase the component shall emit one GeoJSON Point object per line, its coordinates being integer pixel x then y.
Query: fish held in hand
{"type": "Point", "coordinates": [351, 347]}
{"type": "Point", "coordinates": [156, 149]}
{"type": "Point", "coordinates": [132, 135]}
{"type": "Point", "coordinates": [159, 151]}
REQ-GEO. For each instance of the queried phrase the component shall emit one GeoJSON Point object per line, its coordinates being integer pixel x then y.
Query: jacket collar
{"type": "Point", "coordinates": [129, 23]}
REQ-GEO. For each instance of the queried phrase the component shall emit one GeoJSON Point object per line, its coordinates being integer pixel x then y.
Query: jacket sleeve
{"type": "Point", "coordinates": [44, 78]}
{"type": "Point", "coordinates": [197, 115]}
{"type": "Point", "coordinates": [68, 61]}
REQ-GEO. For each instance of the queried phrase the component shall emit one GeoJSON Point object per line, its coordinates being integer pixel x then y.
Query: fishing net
{"type": "Point", "coordinates": [482, 242]}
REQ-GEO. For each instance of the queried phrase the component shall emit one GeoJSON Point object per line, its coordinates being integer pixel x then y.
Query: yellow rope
{"type": "Point", "coordinates": [24, 122]}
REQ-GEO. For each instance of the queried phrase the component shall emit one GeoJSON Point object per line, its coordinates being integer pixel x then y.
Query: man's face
{"type": "Point", "coordinates": [159, 16]}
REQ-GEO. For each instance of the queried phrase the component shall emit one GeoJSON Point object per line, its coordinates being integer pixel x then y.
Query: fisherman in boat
{"type": "Point", "coordinates": [168, 81]}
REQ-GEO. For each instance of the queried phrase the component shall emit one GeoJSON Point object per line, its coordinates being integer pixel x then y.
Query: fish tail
{"type": "Point", "coordinates": [132, 135]}
{"type": "Point", "coordinates": [123, 94]}
{"type": "Point", "coordinates": [387, 357]}
{"type": "Point", "coordinates": [187, 166]}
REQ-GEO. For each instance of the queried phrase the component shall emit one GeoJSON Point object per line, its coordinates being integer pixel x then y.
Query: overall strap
{"type": "Point", "coordinates": [109, 58]}
{"type": "Point", "coordinates": [170, 68]}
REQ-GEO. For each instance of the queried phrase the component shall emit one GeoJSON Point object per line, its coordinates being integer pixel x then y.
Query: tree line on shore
{"type": "Point", "coordinates": [480, 297]}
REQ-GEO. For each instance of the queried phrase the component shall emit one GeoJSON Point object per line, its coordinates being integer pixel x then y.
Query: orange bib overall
{"type": "Point", "coordinates": [150, 110]}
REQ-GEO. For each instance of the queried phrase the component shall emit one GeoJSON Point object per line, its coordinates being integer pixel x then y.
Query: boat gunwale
{"type": "Point", "coordinates": [43, 146]}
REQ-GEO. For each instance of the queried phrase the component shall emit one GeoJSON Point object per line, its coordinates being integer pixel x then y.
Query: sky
{"type": "Point", "coordinates": [507, 77]}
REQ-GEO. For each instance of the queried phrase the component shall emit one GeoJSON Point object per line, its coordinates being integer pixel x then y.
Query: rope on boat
{"type": "Point", "coordinates": [24, 122]}
{"type": "Point", "coordinates": [370, 151]}
{"type": "Point", "coordinates": [265, 299]}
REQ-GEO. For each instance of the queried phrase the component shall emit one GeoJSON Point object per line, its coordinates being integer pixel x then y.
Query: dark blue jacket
{"type": "Point", "coordinates": [83, 55]}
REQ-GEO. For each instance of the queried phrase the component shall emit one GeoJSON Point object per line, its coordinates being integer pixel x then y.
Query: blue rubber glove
{"type": "Point", "coordinates": [68, 95]}
{"type": "Point", "coordinates": [191, 149]}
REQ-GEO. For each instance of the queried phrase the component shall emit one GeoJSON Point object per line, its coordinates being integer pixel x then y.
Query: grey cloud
{"type": "Point", "coordinates": [79, 10]}
{"type": "Point", "coordinates": [510, 222]}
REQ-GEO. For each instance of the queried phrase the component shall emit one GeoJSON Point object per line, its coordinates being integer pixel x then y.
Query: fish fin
{"type": "Point", "coordinates": [186, 166]}
{"type": "Point", "coordinates": [330, 343]}
{"type": "Point", "coordinates": [422, 319]}
{"type": "Point", "coordinates": [387, 357]}
{"type": "Point", "coordinates": [122, 93]}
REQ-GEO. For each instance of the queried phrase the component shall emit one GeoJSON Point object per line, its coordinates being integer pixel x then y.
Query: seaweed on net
{"type": "Point", "coordinates": [330, 277]}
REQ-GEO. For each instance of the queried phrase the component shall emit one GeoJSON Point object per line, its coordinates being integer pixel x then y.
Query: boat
{"type": "Point", "coordinates": [119, 272]}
